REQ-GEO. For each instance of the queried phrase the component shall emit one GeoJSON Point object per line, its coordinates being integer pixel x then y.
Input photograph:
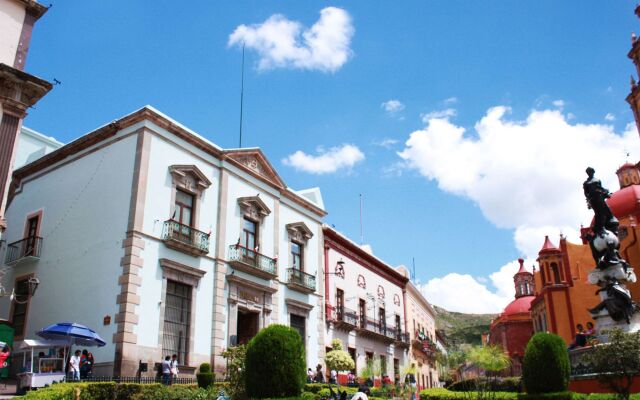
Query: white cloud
{"type": "Point", "coordinates": [392, 106]}
{"type": "Point", "coordinates": [326, 162]}
{"type": "Point", "coordinates": [282, 43]}
{"type": "Point", "coordinates": [450, 100]}
{"type": "Point", "coordinates": [558, 103]}
{"type": "Point", "coordinates": [387, 143]}
{"type": "Point", "coordinates": [523, 175]}
{"type": "Point", "coordinates": [610, 117]}
{"type": "Point", "coordinates": [468, 294]}
{"type": "Point", "coordinates": [440, 114]}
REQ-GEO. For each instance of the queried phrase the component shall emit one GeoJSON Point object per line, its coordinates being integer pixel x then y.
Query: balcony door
{"type": "Point", "coordinates": [32, 236]}
{"type": "Point", "coordinates": [382, 320]}
{"type": "Point", "coordinates": [362, 312]}
{"type": "Point", "coordinates": [339, 304]}
{"type": "Point", "coordinates": [250, 237]}
{"type": "Point", "coordinates": [183, 215]}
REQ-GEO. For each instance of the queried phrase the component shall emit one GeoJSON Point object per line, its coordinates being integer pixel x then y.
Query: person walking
{"type": "Point", "coordinates": [174, 368]}
{"type": "Point", "coordinates": [74, 366]}
{"type": "Point", "coordinates": [166, 371]}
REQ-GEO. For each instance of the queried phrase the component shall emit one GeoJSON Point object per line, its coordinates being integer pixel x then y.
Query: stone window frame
{"type": "Point", "coordinates": [300, 233]}
{"type": "Point", "coordinates": [189, 179]}
{"type": "Point", "coordinates": [253, 209]}
{"type": "Point", "coordinates": [175, 271]}
{"type": "Point", "coordinates": [300, 309]}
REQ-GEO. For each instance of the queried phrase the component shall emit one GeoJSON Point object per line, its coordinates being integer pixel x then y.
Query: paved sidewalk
{"type": "Point", "coordinates": [8, 389]}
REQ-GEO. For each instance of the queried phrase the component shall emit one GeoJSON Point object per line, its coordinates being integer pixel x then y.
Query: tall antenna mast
{"type": "Point", "coordinates": [413, 270]}
{"type": "Point", "coordinates": [361, 231]}
{"type": "Point", "coordinates": [241, 94]}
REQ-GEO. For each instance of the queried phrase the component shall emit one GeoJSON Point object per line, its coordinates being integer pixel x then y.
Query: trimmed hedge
{"type": "Point", "coordinates": [546, 368]}
{"type": "Point", "coordinates": [205, 377]}
{"type": "Point", "coordinates": [125, 391]}
{"type": "Point", "coordinates": [512, 384]}
{"type": "Point", "coordinates": [444, 394]}
{"type": "Point", "coordinates": [275, 363]}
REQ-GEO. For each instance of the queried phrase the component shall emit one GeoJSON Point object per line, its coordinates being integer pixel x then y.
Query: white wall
{"type": "Point", "coordinates": [158, 208]}
{"type": "Point", "coordinates": [11, 19]}
{"type": "Point", "coordinates": [33, 145]}
{"type": "Point", "coordinates": [85, 208]}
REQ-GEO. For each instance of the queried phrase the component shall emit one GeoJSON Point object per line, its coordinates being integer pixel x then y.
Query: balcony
{"type": "Point", "coordinates": [23, 250]}
{"type": "Point", "coordinates": [402, 339]}
{"type": "Point", "coordinates": [376, 330]}
{"type": "Point", "coordinates": [301, 281]}
{"type": "Point", "coordinates": [185, 238]}
{"type": "Point", "coordinates": [342, 317]}
{"type": "Point", "coordinates": [252, 262]}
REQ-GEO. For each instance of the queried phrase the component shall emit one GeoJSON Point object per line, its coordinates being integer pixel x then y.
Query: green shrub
{"type": "Point", "coordinates": [275, 363]}
{"type": "Point", "coordinates": [547, 396]}
{"type": "Point", "coordinates": [444, 394]}
{"type": "Point", "coordinates": [314, 387]}
{"type": "Point", "coordinates": [307, 396]}
{"type": "Point", "coordinates": [205, 377]}
{"type": "Point", "coordinates": [125, 391]}
{"type": "Point", "coordinates": [236, 370]}
{"type": "Point", "coordinates": [154, 391]}
{"type": "Point", "coordinates": [511, 384]}
{"type": "Point", "coordinates": [99, 391]}
{"type": "Point", "coordinates": [205, 367]}
{"type": "Point", "coordinates": [546, 366]}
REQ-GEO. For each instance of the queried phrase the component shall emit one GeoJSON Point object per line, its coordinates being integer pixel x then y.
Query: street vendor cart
{"type": "Point", "coordinates": [45, 369]}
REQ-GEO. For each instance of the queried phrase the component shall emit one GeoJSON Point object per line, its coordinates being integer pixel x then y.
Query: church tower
{"type": "Point", "coordinates": [634, 97]}
{"type": "Point", "coordinates": [524, 282]}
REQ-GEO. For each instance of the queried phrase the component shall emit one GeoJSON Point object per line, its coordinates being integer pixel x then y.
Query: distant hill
{"type": "Point", "coordinates": [460, 328]}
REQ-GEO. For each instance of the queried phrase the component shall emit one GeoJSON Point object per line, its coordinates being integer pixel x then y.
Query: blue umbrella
{"type": "Point", "coordinates": [76, 334]}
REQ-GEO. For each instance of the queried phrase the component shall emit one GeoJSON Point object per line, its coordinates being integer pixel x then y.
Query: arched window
{"type": "Point", "coordinates": [556, 272]}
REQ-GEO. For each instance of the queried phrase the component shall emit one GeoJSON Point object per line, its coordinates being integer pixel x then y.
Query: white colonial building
{"type": "Point", "coordinates": [365, 305]}
{"type": "Point", "coordinates": [163, 243]}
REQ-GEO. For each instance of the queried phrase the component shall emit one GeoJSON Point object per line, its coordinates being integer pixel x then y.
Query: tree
{"type": "Point", "coordinates": [235, 357]}
{"type": "Point", "coordinates": [618, 361]}
{"type": "Point", "coordinates": [275, 363]}
{"type": "Point", "coordinates": [546, 368]}
{"type": "Point", "coordinates": [491, 360]}
{"type": "Point", "coordinates": [338, 359]}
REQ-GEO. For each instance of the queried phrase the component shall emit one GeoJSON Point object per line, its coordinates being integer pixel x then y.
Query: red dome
{"type": "Point", "coordinates": [519, 305]}
{"type": "Point", "coordinates": [625, 201]}
{"type": "Point", "coordinates": [625, 166]}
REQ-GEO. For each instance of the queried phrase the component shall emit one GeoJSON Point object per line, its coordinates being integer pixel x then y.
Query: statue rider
{"type": "Point", "coordinates": [596, 196]}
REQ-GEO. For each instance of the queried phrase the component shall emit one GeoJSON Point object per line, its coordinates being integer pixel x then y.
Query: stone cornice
{"type": "Point", "coordinates": [253, 285]}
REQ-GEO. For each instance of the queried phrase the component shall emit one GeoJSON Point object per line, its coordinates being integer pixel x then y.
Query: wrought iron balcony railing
{"type": "Point", "coordinates": [240, 256]}
{"type": "Point", "coordinates": [26, 248]}
{"type": "Point", "coordinates": [181, 235]}
{"type": "Point", "coordinates": [345, 315]}
{"type": "Point", "coordinates": [403, 337]}
{"type": "Point", "coordinates": [301, 278]}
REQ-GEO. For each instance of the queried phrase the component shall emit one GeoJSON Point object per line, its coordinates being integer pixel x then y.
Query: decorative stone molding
{"type": "Point", "coordinates": [190, 178]}
{"type": "Point", "coordinates": [298, 307]}
{"type": "Point", "coordinates": [299, 231]}
{"type": "Point", "coordinates": [181, 273]}
{"type": "Point", "coordinates": [380, 292]}
{"type": "Point", "coordinates": [396, 299]}
{"type": "Point", "coordinates": [253, 207]}
{"type": "Point", "coordinates": [362, 282]}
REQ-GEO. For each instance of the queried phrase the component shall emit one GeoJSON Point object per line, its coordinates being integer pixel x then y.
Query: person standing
{"type": "Point", "coordinates": [310, 375]}
{"type": "Point", "coordinates": [83, 364]}
{"type": "Point", "coordinates": [319, 374]}
{"type": "Point", "coordinates": [90, 362]}
{"type": "Point", "coordinates": [166, 370]}
{"type": "Point", "coordinates": [174, 367]}
{"type": "Point", "coordinates": [74, 366]}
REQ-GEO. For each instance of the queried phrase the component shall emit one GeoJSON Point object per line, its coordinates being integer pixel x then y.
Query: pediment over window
{"type": "Point", "coordinates": [253, 207]}
{"type": "Point", "coordinates": [299, 231]}
{"type": "Point", "coordinates": [189, 177]}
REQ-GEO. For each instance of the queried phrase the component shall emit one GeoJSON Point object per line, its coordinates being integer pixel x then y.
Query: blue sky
{"type": "Point", "coordinates": [456, 201]}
